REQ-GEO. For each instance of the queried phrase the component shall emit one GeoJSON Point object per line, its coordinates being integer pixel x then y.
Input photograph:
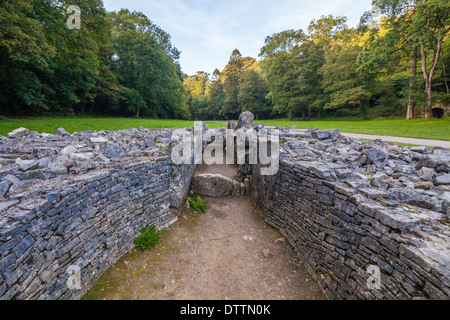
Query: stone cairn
{"type": "Point", "coordinates": [79, 199]}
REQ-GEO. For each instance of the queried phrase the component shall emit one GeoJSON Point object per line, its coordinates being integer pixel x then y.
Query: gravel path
{"type": "Point", "coordinates": [420, 142]}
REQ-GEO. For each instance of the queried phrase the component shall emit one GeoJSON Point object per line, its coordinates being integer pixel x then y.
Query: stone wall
{"type": "Point", "coordinates": [80, 200]}
{"type": "Point", "coordinates": [341, 222]}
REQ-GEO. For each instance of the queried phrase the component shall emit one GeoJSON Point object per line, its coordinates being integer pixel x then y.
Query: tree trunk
{"type": "Point", "coordinates": [137, 113]}
{"type": "Point", "coordinates": [429, 100]}
{"type": "Point", "coordinates": [428, 76]}
{"type": "Point", "coordinates": [412, 86]}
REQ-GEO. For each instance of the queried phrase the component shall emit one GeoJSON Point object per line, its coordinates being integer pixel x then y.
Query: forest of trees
{"type": "Point", "coordinates": [396, 62]}
{"type": "Point", "coordinates": [118, 63]}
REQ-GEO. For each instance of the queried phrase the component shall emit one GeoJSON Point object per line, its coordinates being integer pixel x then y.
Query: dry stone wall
{"type": "Point", "coordinates": [79, 201]}
{"type": "Point", "coordinates": [346, 205]}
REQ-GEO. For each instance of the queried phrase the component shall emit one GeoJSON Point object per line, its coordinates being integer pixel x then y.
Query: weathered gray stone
{"type": "Point", "coordinates": [325, 134]}
{"type": "Point", "coordinates": [112, 151]}
{"type": "Point", "coordinates": [53, 197]}
{"type": "Point", "coordinates": [4, 187]}
{"type": "Point", "coordinates": [421, 149]}
{"type": "Point", "coordinates": [423, 185]}
{"type": "Point", "coordinates": [436, 161]}
{"type": "Point", "coordinates": [98, 140]}
{"type": "Point", "coordinates": [25, 165]}
{"type": "Point", "coordinates": [376, 155]}
{"type": "Point", "coordinates": [397, 219]}
{"type": "Point", "coordinates": [7, 204]}
{"type": "Point", "coordinates": [267, 253]}
{"type": "Point", "coordinates": [68, 150]}
{"type": "Point", "coordinates": [213, 185]}
{"type": "Point", "coordinates": [19, 133]}
{"type": "Point", "coordinates": [245, 120]}
{"type": "Point", "coordinates": [442, 180]}
{"type": "Point", "coordinates": [232, 125]}
{"type": "Point", "coordinates": [373, 193]}
{"type": "Point", "coordinates": [426, 174]}
{"type": "Point", "coordinates": [61, 132]}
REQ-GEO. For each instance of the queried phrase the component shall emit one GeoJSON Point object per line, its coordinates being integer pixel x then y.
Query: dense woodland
{"type": "Point", "coordinates": [396, 62]}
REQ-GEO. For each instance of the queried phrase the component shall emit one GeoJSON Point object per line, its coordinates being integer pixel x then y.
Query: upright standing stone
{"type": "Point", "coordinates": [232, 125]}
{"type": "Point", "coordinates": [246, 120]}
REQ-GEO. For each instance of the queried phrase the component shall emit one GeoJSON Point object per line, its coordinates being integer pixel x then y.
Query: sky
{"type": "Point", "coordinates": [207, 31]}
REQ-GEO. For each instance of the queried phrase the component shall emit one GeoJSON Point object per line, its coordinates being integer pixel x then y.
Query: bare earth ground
{"type": "Point", "coordinates": [213, 256]}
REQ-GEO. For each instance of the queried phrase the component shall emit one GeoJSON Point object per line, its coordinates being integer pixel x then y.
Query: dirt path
{"type": "Point", "coordinates": [214, 256]}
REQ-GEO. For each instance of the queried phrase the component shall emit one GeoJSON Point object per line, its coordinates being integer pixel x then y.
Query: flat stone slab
{"type": "Point", "coordinates": [215, 185]}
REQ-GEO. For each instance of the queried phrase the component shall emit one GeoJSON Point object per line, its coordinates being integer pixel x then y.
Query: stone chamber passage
{"type": "Point", "coordinates": [336, 207]}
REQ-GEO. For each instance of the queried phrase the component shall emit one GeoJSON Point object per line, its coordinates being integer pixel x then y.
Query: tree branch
{"type": "Point", "coordinates": [436, 54]}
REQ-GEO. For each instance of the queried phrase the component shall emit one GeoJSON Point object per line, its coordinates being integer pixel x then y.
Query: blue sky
{"type": "Point", "coordinates": [207, 31]}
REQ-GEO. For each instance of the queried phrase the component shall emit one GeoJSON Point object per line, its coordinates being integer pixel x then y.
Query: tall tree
{"type": "Point", "coordinates": [291, 69]}
{"type": "Point", "coordinates": [252, 94]}
{"type": "Point", "coordinates": [431, 24]}
{"type": "Point", "coordinates": [232, 73]}
{"type": "Point", "coordinates": [216, 95]}
{"type": "Point", "coordinates": [424, 24]}
{"type": "Point", "coordinates": [322, 30]}
{"type": "Point", "coordinates": [343, 80]}
{"type": "Point", "coordinates": [197, 83]}
{"type": "Point", "coordinates": [284, 41]}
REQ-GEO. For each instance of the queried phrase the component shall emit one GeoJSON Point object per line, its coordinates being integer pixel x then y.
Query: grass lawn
{"type": "Point", "coordinates": [49, 125]}
{"type": "Point", "coordinates": [436, 129]}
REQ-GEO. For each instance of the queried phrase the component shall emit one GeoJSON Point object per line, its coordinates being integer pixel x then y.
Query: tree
{"type": "Point", "coordinates": [284, 41]}
{"type": "Point", "coordinates": [144, 62]}
{"type": "Point", "coordinates": [322, 30]}
{"type": "Point", "coordinates": [45, 67]}
{"type": "Point", "coordinates": [423, 23]}
{"type": "Point", "coordinates": [343, 79]}
{"type": "Point", "coordinates": [216, 95]}
{"type": "Point", "coordinates": [252, 94]}
{"type": "Point", "coordinates": [144, 67]}
{"type": "Point", "coordinates": [431, 24]}
{"type": "Point", "coordinates": [197, 84]}
{"type": "Point", "coordinates": [126, 20]}
{"type": "Point", "coordinates": [230, 77]}
{"type": "Point", "coordinates": [291, 69]}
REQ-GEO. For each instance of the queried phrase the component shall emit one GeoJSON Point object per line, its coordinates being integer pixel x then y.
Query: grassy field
{"type": "Point", "coordinates": [95, 124]}
{"type": "Point", "coordinates": [438, 129]}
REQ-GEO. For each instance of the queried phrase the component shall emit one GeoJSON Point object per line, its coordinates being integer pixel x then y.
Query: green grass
{"type": "Point", "coordinates": [198, 204]}
{"type": "Point", "coordinates": [437, 129]}
{"type": "Point", "coordinates": [49, 125]}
